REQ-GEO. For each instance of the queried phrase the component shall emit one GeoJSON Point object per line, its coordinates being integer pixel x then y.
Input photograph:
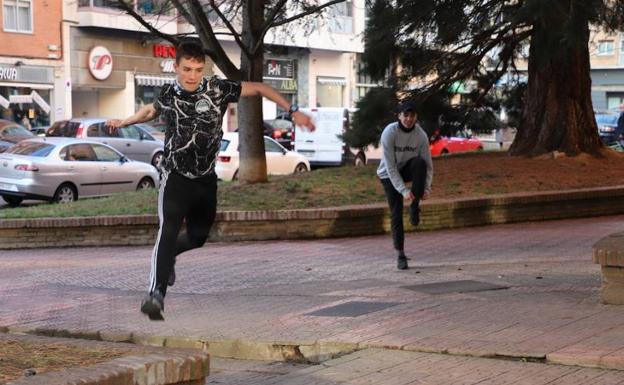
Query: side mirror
{"type": "Point", "coordinates": [123, 159]}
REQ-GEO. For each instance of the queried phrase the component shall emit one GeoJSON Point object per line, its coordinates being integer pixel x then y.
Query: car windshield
{"type": "Point", "coordinates": [15, 130]}
{"type": "Point", "coordinates": [607, 119]}
{"type": "Point", "coordinates": [63, 128]}
{"type": "Point", "coordinates": [224, 144]}
{"type": "Point", "coordinates": [37, 149]}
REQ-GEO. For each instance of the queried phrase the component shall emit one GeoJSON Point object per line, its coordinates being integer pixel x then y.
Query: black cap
{"type": "Point", "coordinates": [407, 106]}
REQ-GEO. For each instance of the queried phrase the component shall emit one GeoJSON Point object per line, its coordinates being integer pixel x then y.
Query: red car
{"type": "Point", "coordinates": [463, 142]}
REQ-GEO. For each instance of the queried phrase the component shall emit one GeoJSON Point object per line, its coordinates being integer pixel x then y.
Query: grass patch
{"type": "Point", "coordinates": [461, 176]}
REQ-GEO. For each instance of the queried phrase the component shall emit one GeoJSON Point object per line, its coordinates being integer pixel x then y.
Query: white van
{"type": "Point", "coordinates": [323, 146]}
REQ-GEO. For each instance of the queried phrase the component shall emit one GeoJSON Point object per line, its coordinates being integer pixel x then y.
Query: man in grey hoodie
{"type": "Point", "coordinates": [405, 158]}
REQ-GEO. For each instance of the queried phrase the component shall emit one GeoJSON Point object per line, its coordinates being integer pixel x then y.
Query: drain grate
{"type": "Point", "coordinates": [465, 286]}
{"type": "Point", "coordinates": [352, 309]}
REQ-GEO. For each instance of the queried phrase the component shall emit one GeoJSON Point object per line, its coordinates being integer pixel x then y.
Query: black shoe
{"type": "Point", "coordinates": [172, 277]}
{"type": "Point", "coordinates": [414, 214]}
{"type": "Point", "coordinates": [402, 263]}
{"type": "Point", "coordinates": [153, 305]}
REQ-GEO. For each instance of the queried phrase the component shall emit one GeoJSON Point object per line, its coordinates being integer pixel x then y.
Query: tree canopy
{"type": "Point", "coordinates": [424, 47]}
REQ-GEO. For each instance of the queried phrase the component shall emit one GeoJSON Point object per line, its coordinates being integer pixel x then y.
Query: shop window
{"type": "Point", "coordinates": [17, 15]}
{"type": "Point", "coordinates": [329, 92]}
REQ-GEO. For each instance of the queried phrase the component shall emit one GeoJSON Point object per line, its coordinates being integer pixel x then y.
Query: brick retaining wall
{"type": "Point", "coordinates": [317, 223]}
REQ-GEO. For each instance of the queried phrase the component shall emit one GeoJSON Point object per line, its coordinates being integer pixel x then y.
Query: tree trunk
{"type": "Point", "coordinates": [253, 167]}
{"type": "Point", "coordinates": [558, 113]}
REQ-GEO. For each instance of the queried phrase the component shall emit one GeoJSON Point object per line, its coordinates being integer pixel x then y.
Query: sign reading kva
{"type": "Point", "coordinates": [9, 73]}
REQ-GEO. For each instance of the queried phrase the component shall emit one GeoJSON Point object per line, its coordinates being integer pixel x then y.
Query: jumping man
{"type": "Point", "coordinates": [193, 109]}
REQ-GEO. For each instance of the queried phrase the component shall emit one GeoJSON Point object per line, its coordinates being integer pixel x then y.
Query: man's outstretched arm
{"type": "Point", "coordinates": [261, 89]}
{"type": "Point", "coordinates": [144, 114]}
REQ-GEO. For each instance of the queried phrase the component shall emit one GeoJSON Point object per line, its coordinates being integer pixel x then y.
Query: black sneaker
{"type": "Point", "coordinates": [402, 262]}
{"type": "Point", "coordinates": [414, 214]}
{"type": "Point", "coordinates": [153, 305]}
{"type": "Point", "coordinates": [172, 277]}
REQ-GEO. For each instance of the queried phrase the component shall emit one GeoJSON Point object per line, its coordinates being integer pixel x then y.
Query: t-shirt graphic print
{"type": "Point", "coordinates": [193, 119]}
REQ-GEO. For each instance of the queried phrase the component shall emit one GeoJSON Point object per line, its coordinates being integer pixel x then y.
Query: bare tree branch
{"type": "Point", "coordinates": [303, 14]}
{"type": "Point", "coordinates": [130, 11]}
{"type": "Point", "coordinates": [230, 27]}
{"type": "Point", "coordinates": [215, 51]}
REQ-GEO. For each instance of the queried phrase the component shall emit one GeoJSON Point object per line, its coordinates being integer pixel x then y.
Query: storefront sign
{"type": "Point", "coordinates": [20, 99]}
{"type": "Point", "coordinates": [286, 85]}
{"type": "Point", "coordinates": [167, 65]}
{"type": "Point", "coordinates": [166, 51]}
{"type": "Point", "coordinates": [100, 62]}
{"type": "Point", "coordinates": [279, 69]}
{"type": "Point", "coordinates": [9, 73]}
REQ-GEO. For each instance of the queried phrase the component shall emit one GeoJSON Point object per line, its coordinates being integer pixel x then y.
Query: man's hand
{"type": "Point", "coordinates": [301, 119]}
{"type": "Point", "coordinates": [409, 197]}
{"type": "Point", "coordinates": [114, 123]}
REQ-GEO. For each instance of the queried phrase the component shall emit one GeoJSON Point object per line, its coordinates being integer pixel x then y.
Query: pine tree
{"type": "Point", "coordinates": [447, 41]}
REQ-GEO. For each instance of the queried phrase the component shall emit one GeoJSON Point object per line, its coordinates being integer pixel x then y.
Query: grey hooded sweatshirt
{"type": "Point", "coordinates": [400, 146]}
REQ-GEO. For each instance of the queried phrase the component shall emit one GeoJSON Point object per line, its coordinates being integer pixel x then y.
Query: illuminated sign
{"type": "Point", "coordinates": [100, 63]}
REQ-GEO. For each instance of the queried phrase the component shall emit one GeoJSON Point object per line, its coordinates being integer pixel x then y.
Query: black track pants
{"type": "Point", "coordinates": [181, 200]}
{"type": "Point", "coordinates": [415, 171]}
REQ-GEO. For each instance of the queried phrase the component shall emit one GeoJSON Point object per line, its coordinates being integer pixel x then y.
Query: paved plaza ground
{"type": "Point", "coordinates": [509, 294]}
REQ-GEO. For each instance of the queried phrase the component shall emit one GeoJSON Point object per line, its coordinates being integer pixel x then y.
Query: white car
{"type": "Point", "coordinates": [279, 160]}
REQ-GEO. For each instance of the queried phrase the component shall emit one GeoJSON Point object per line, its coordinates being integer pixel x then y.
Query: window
{"type": "Point", "coordinates": [605, 47]}
{"type": "Point", "coordinates": [80, 153]}
{"type": "Point", "coordinates": [17, 15]}
{"type": "Point", "coordinates": [271, 146]}
{"type": "Point", "coordinates": [130, 132]}
{"type": "Point", "coordinates": [105, 154]}
{"type": "Point", "coordinates": [37, 149]}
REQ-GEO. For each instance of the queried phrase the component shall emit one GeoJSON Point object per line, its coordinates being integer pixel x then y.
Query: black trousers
{"type": "Point", "coordinates": [181, 200]}
{"type": "Point", "coordinates": [415, 171]}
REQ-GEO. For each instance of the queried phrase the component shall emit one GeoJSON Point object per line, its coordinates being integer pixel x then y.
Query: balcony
{"type": "Point", "coordinates": [108, 14]}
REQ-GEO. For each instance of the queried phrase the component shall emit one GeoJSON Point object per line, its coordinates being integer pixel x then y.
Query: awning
{"type": "Point", "coordinates": [34, 86]}
{"type": "Point", "coordinates": [332, 81]}
{"type": "Point", "coordinates": [153, 80]}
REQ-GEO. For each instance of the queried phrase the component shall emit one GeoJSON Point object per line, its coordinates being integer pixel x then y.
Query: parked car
{"type": "Point", "coordinates": [462, 142]}
{"type": "Point", "coordinates": [132, 141]}
{"type": "Point", "coordinates": [157, 131]}
{"type": "Point", "coordinates": [39, 130]}
{"type": "Point", "coordinates": [279, 160]}
{"type": "Point", "coordinates": [64, 169]}
{"type": "Point", "coordinates": [282, 130]}
{"type": "Point", "coordinates": [11, 133]}
{"type": "Point", "coordinates": [607, 127]}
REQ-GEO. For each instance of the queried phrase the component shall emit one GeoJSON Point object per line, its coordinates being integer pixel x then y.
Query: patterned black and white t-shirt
{"type": "Point", "coordinates": [193, 134]}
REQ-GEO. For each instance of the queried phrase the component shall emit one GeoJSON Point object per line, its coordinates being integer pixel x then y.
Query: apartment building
{"type": "Point", "coordinates": [312, 67]}
{"type": "Point", "coordinates": [607, 69]}
{"type": "Point", "coordinates": [35, 87]}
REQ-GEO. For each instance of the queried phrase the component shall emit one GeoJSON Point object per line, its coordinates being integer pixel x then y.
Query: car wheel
{"type": "Point", "coordinates": [65, 193]}
{"type": "Point", "coordinates": [301, 167]}
{"type": "Point", "coordinates": [235, 176]}
{"type": "Point", "coordinates": [480, 148]}
{"type": "Point", "coordinates": [145, 183]}
{"type": "Point", "coordinates": [157, 159]}
{"type": "Point", "coordinates": [444, 151]}
{"type": "Point", "coordinates": [12, 201]}
{"type": "Point", "coordinates": [359, 160]}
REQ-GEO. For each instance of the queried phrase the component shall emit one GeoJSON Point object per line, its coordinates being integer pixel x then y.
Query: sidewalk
{"type": "Point", "coordinates": [273, 300]}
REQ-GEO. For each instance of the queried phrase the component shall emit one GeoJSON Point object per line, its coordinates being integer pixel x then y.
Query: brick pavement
{"type": "Point", "coordinates": [235, 295]}
{"type": "Point", "coordinates": [392, 367]}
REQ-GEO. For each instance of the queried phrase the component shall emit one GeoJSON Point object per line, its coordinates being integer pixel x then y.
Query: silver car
{"type": "Point", "coordinates": [132, 141]}
{"type": "Point", "coordinates": [63, 169]}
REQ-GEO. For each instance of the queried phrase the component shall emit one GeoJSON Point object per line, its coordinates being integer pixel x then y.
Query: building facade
{"type": "Point", "coordinates": [309, 66]}
{"type": "Point", "coordinates": [35, 87]}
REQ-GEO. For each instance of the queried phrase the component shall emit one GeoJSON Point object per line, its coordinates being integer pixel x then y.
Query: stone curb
{"type": "Point", "coordinates": [157, 366]}
{"type": "Point", "coordinates": [320, 223]}
{"type": "Point", "coordinates": [315, 352]}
